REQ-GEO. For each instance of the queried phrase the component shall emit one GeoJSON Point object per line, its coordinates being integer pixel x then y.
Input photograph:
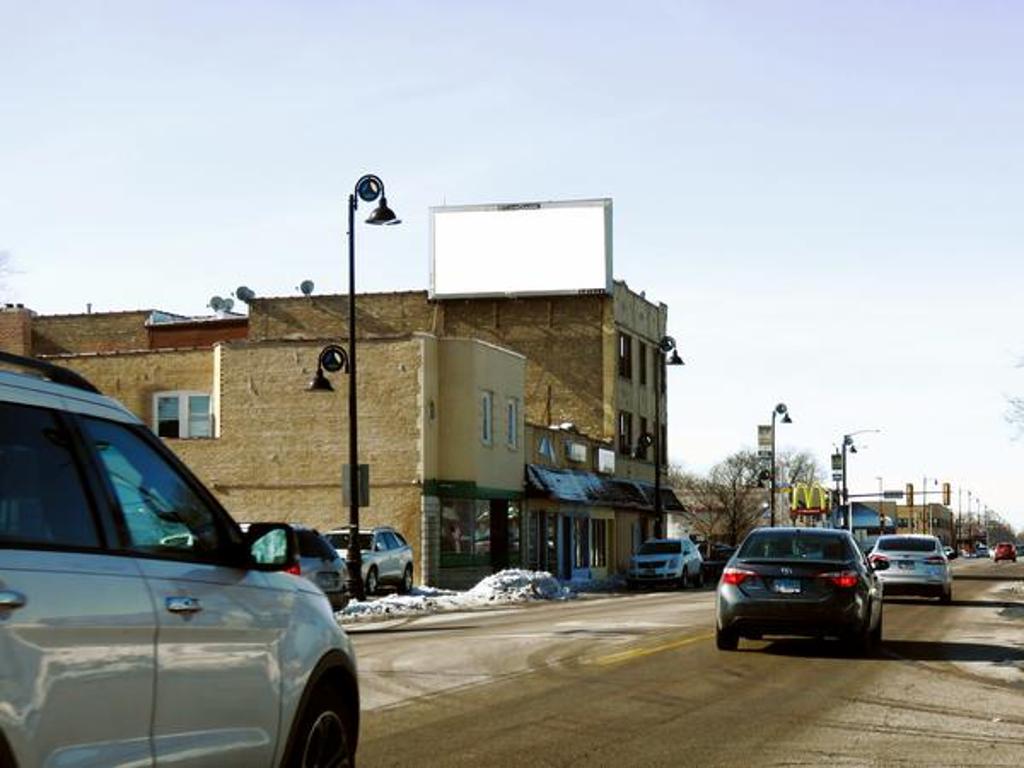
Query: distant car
{"type": "Point", "coordinates": [1005, 550]}
{"type": "Point", "coordinates": [666, 561]}
{"type": "Point", "coordinates": [980, 550]}
{"type": "Point", "coordinates": [917, 566]}
{"type": "Point", "coordinates": [386, 557]}
{"type": "Point", "coordinates": [807, 582]}
{"type": "Point", "coordinates": [320, 564]}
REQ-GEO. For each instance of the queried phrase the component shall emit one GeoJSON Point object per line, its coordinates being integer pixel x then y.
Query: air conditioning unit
{"type": "Point", "coordinates": [576, 452]}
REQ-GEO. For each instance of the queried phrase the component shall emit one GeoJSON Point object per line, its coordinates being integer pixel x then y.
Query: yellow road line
{"type": "Point", "coordinates": [636, 653]}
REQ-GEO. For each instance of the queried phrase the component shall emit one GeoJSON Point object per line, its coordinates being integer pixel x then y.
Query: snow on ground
{"type": "Point", "coordinates": [998, 627]}
{"type": "Point", "coordinates": [513, 586]}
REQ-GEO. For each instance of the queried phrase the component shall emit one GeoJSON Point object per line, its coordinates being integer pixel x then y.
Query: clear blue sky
{"type": "Point", "coordinates": [827, 195]}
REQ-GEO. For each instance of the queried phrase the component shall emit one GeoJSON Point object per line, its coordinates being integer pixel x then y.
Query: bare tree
{"type": "Point", "coordinates": [727, 502]}
{"type": "Point", "coordinates": [793, 467]}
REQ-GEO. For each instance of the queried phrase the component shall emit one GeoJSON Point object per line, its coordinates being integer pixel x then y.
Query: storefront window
{"type": "Point", "coordinates": [581, 542]}
{"type": "Point", "coordinates": [466, 533]}
{"type": "Point", "coordinates": [599, 538]}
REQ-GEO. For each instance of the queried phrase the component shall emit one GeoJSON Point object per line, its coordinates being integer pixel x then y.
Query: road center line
{"type": "Point", "coordinates": [636, 653]}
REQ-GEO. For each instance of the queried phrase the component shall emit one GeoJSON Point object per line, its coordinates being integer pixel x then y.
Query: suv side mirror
{"type": "Point", "coordinates": [879, 565]}
{"type": "Point", "coordinates": [273, 546]}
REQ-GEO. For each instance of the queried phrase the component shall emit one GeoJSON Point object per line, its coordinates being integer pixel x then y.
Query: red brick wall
{"type": "Point", "coordinates": [16, 330]}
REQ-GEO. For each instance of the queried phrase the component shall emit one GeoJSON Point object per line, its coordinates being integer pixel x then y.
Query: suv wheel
{"type": "Point", "coordinates": [372, 582]}
{"type": "Point", "coordinates": [406, 586]}
{"type": "Point", "coordinates": [322, 740]}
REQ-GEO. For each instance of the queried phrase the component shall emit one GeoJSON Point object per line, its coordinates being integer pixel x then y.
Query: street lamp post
{"type": "Point", "coordinates": [665, 346]}
{"type": "Point", "coordinates": [778, 410]}
{"type": "Point", "coordinates": [333, 358]}
{"type": "Point", "coordinates": [849, 445]}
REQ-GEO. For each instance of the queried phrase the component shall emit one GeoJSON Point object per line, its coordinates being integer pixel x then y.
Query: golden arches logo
{"type": "Point", "coordinates": [810, 497]}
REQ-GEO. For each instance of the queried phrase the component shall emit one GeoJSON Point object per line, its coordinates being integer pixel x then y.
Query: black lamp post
{"type": "Point", "coordinates": [332, 358]}
{"type": "Point", "coordinates": [849, 446]}
{"type": "Point", "coordinates": [665, 356]}
{"type": "Point", "coordinates": [778, 410]}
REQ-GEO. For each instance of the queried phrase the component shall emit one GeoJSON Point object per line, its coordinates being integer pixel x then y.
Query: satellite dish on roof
{"type": "Point", "coordinates": [216, 303]}
{"type": "Point", "coordinates": [228, 304]}
{"type": "Point", "coordinates": [306, 286]}
{"type": "Point", "coordinates": [245, 293]}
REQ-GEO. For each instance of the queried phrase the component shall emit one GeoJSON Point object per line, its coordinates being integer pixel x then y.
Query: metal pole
{"type": "Point", "coordinates": [355, 555]}
{"type": "Point", "coordinates": [771, 500]}
{"type": "Point", "coordinates": [658, 378]}
{"type": "Point", "coordinates": [846, 495]}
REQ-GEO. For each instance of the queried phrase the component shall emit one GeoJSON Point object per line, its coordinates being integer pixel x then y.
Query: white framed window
{"type": "Point", "coordinates": [182, 414]}
{"type": "Point", "coordinates": [487, 417]}
{"type": "Point", "coordinates": [546, 448]}
{"type": "Point", "coordinates": [512, 425]}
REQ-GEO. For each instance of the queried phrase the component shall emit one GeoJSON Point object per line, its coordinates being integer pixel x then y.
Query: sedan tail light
{"type": "Point", "coordinates": [295, 570]}
{"type": "Point", "coordinates": [736, 575]}
{"type": "Point", "coordinates": [935, 560]}
{"type": "Point", "coordinates": [842, 579]}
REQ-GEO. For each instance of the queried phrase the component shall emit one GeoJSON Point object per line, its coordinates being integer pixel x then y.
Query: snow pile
{"type": "Point", "coordinates": [506, 587]}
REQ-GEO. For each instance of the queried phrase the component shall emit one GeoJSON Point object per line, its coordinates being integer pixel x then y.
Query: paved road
{"type": "Point", "coordinates": [636, 680]}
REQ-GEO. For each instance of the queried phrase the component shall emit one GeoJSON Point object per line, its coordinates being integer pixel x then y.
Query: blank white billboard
{"type": "Point", "coordinates": [521, 249]}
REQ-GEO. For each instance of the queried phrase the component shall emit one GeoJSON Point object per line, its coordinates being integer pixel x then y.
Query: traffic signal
{"type": "Point", "coordinates": [945, 494]}
{"type": "Point", "coordinates": [908, 494]}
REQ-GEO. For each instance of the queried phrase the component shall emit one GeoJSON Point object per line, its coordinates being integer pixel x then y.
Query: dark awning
{"type": "Point", "coordinates": [591, 488]}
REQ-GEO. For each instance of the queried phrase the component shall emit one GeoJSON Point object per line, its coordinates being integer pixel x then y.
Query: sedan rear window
{"type": "Point", "coordinates": [660, 548]}
{"type": "Point", "coordinates": [312, 544]}
{"type": "Point", "coordinates": [789, 546]}
{"type": "Point", "coordinates": [906, 544]}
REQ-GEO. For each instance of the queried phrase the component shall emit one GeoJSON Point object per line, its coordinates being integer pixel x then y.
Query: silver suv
{"type": "Point", "coordinates": [138, 624]}
{"type": "Point", "coordinates": [385, 554]}
{"type": "Point", "coordinates": [320, 563]}
{"type": "Point", "coordinates": [666, 561]}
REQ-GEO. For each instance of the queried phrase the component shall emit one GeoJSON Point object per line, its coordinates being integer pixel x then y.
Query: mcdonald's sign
{"type": "Point", "coordinates": [809, 499]}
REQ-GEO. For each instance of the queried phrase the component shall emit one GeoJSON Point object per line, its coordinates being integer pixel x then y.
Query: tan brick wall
{"type": "Point", "coordinates": [16, 330]}
{"type": "Point", "coordinates": [100, 332]}
{"type": "Point", "coordinates": [326, 317]}
{"type": "Point", "coordinates": [134, 378]}
{"type": "Point", "coordinates": [562, 340]}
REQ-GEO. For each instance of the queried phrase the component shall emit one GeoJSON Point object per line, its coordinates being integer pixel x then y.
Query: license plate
{"type": "Point", "coordinates": [906, 565]}
{"type": "Point", "coordinates": [787, 586]}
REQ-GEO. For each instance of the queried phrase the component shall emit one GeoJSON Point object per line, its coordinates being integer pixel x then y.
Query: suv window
{"type": "Point", "coordinates": [399, 539]}
{"type": "Point", "coordinates": [42, 499]}
{"type": "Point", "coordinates": [312, 544]}
{"type": "Point", "coordinates": [162, 513]}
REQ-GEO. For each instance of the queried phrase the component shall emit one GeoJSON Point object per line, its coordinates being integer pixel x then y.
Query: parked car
{"type": "Point", "coordinates": [386, 557]}
{"type": "Point", "coordinates": [666, 561]}
{"type": "Point", "coordinates": [980, 550]}
{"type": "Point", "coordinates": [1005, 550]}
{"type": "Point", "coordinates": [807, 582]}
{"type": "Point", "coordinates": [138, 624]}
{"type": "Point", "coordinates": [917, 563]}
{"type": "Point", "coordinates": [319, 563]}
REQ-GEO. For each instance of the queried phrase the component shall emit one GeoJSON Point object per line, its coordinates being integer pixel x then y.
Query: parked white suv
{"type": "Point", "coordinates": [666, 561]}
{"type": "Point", "coordinates": [138, 624]}
{"type": "Point", "coordinates": [385, 555]}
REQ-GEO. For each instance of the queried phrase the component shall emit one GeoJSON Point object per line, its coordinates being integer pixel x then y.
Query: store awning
{"type": "Point", "coordinates": [597, 490]}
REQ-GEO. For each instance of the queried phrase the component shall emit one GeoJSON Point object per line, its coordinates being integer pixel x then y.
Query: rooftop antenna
{"type": "Point", "coordinates": [244, 293]}
{"type": "Point", "coordinates": [306, 286]}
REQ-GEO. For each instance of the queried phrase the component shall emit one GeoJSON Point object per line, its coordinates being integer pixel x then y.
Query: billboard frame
{"type": "Point", "coordinates": [603, 202]}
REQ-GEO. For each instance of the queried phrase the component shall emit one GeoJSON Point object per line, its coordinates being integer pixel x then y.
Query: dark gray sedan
{"type": "Point", "coordinates": [807, 582]}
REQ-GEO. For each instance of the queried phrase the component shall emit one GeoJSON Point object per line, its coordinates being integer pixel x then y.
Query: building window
{"type": "Point", "coordinates": [581, 542]}
{"type": "Point", "coordinates": [599, 543]}
{"type": "Point", "coordinates": [642, 350]}
{"type": "Point", "coordinates": [625, 356]}
{"type": "Point", "coordinates": [487, 417]}
{"type": "Point", "coordinates": [546, 448]}
{"type": "Point", "coordinates": [182, 414]}
{"type": "Point", "coordinates": [625, 433]}
{"type": "Point", "coordinates": [641, 447]}
{"type": "Point", "coordinates": [512, 430]}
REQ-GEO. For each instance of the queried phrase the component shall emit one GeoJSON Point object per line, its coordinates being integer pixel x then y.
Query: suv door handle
{"type": "Point", "coordinates": [10, 599]}
{"type": "Point", "coordinates": [183, 604]}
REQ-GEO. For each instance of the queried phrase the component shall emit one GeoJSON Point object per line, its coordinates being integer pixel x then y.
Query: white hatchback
{"type": "Point", "coordinates": [139, 625]}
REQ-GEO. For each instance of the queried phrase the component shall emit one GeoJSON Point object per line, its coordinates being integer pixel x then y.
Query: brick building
{"type": "Point", "coordinates": [446, 390]}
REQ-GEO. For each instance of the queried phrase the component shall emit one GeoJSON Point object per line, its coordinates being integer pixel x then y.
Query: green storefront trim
{"type": "Point", "coordinates": [466, 489]}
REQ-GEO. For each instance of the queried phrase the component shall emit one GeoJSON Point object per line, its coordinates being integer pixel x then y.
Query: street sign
{"type": "Point", "coordinates": [764, 441]}
{"type": "Point", "coordinates": [837, 462]}
{"type": "Point", "coordinates": [364, 485]}
{"type": "Point", "coordinates": [837, 476]}
{"type": "Point", "coordinates": [892, 495]}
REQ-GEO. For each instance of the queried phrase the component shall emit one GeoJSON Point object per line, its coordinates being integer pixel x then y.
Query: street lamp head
{"type": "Point", "coordinates": [675, 359]}
{"type": "Point", "coordinates": [319, 383]}
{"type": "Point", "coordinates": [786, 419]}
{"type": "Point", "coordinates": [383, 215]}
